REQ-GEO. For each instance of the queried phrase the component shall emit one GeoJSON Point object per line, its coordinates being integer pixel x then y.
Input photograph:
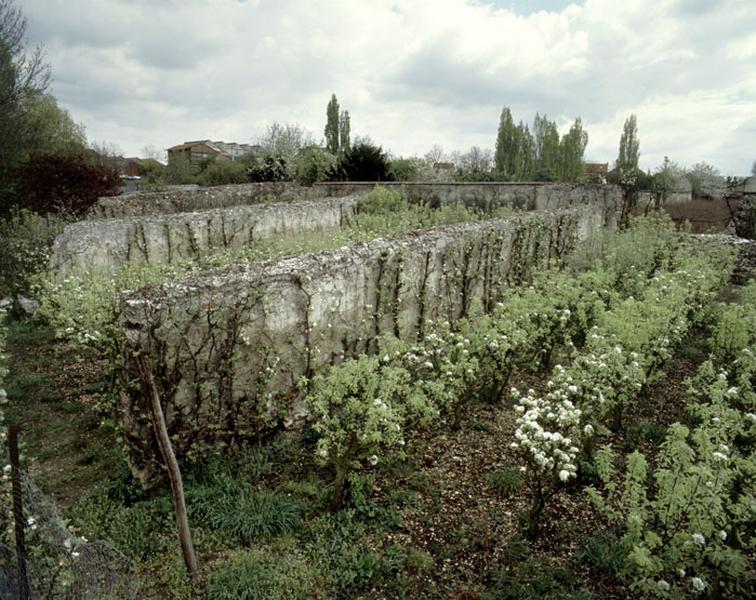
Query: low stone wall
{"type": "Point", "coordinates": [104, 246]}
{"type": "Point", "coordinates": [487, 196]}
{"type": "Point", "coordinates": [229, 346]}
{"type": "Point", "coordinates": [181, 199]}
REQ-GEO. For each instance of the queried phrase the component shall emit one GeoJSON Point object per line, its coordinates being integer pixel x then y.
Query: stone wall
{"type": "Point", "coordinates": [182, 199]}
{"type": "Point", "coordinates": [489, 195]}
{"type": "Point", "coordinates": [229, 346]}
{"type": "Point", "coordinates": [162, 227]}
{"type": "Point", "coordinates": [106, 245]}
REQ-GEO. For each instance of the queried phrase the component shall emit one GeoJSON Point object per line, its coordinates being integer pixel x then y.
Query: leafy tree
{"type": "Point", "coordinates": [404, 169]}
{"type": "Point", "coordinates": [23, 76]}
{"type": "Point", "coordinates": [51, 183]}
{"type": "Point", "coordinates": [546, 141]}
{"type": "Point", "coordinates": [572, 148]}
{"type": "Point", "coordinates": [629, 149]}
{"type": "Point", "coordinates": [363, 162]}
{"type": "Point", "coordinates": [506, 157]}
{"type": "Point", "coordinates": [151, 170]}
{"type": "Point", "coordinates": [344, 131]}
{"type": "Point", "coordinates": [706, 182]}
{"type": "Point", "coordinates": [313, 164]}
{"type": "Point", "coordinates": [332, 126]}
{"type": "Point", "coordinates": [224, 172]}
{"type": "Point", "coordinates": [285, 140]}
{"type": "Point", "coordinates": [178, 171]}
{"type": "Point", "coordinates": [526, 159]}
{"type": "Point", "coordinates": [50, 128]}
{"type": "Point", "coordinates": [268, 167]}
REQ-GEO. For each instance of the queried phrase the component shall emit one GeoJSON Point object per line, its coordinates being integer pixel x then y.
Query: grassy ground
{"type": "Point", "coordinates": [442, 524]}
{"type": "Point", "coordinates": [53, 392]}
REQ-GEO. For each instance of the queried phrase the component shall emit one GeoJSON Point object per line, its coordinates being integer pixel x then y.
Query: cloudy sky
{"type": "Point", "coordinates": [412, 73]}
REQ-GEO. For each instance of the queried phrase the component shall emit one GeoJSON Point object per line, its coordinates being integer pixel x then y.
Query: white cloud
{"type": "Point", "coordinates": [412, 72]}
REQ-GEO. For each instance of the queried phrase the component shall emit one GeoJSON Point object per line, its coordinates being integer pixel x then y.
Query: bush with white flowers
{"type": "Point", "coordinates": [548, 442]}
{"type": "Point", "coordinates": [359, 409]}
{"type": "Point", "coordinates": [691, 526]}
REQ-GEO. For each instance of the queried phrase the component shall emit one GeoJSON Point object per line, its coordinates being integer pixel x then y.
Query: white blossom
{"type": "Point", "coordinates": [698, 584]}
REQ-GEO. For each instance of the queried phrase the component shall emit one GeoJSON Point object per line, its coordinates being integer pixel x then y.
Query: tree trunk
{"type": "Point", "coordinates": [149, 389]}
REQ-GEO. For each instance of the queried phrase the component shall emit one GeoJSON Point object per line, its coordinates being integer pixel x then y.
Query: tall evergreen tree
{"type": "Point", "coordinates": [344, 131]}
{"type": "Point", "coordinates": [629, 148]}
{"type": "Point", "coordinates": [572, 148]}
{"type": "Point", "coordinates": [332, 125]}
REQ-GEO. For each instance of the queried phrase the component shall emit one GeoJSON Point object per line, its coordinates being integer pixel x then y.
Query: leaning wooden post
{"type": "Point", "coordinates": [149, 389]}
{"type": "Point", "coordinates": [18, 513]}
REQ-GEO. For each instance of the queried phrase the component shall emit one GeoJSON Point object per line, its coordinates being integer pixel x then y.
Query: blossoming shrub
{"type": "Point", "coordinates": [690, 527]}
{"type": "Point", "coordinates": [442, 371]}
{"type": "Point", "coordinates": [360, 409]}
{"type": "Point", "coordinates": [548, 443]}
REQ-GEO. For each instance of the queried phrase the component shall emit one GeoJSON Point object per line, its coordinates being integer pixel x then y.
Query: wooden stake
{"type": "Point", "coordinates": [18, 514]}
{"type": "Point", "coordinates": [149, 389]}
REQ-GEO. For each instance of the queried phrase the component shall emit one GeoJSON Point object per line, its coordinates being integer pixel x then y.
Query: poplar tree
{"type": "Point", "coordinates": [572, 148]}
{"type": "Point", "coordinates": [507, 147]}
{"type": "Point", "coordinates": [527, 154]}
{"type": "Point", "coordinates": [546, 137]}
{"type": "Point", "coordinates": [332, 126]}
{"type": "Point", "coordinates": [344, 129]}
{"type": "Point", "coordinates": [629, 148]}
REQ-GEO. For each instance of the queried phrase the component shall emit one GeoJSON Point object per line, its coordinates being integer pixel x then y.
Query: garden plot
{"type": "Point", "coordinates": [233, 343]}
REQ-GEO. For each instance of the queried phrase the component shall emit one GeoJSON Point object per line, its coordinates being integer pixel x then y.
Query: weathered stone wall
{"type": "Point", "coordinates": [229, 346]}
{"type": "Point", "coordinates": [489, 195]}
{"type": "Point", "coordinates": [106, 245]}
{"type": "Point", "coordinates": [173, 200]}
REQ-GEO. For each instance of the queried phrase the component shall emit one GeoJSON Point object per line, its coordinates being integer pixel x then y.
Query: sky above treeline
{"type": "Point", "coordinates": [412, 73]}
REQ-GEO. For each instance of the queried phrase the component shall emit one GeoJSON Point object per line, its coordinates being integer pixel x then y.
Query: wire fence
{"type": "Point", "coordinates": [59, 564]}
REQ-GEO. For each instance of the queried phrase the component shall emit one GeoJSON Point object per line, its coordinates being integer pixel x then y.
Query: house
{"type": "Point", "coordinates": [198, 152]}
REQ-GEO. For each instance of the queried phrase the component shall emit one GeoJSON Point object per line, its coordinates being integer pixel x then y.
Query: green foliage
{"type": "Point", "coordinates": [268, 167]}
{"type": "Point", "coordinates": [404, 169]}
{"type": "Point", "coordinates": [312, 165]}
{"type": "Point", "coordinates": [223, 172]}
{"type": "Point", "coordinates": [381, 200]}
{"type": "Point", "coordinates": [534, 579]}
{"type": "Point", "coordinates": [629, 150]}
{"type": "Point", "coordinates": [26, 240]}
{"type": "Point", "coordinates": [571, 150]}
{"type": "Point", "coordinates": [179, 170]}
{"type": "Point", "coordinates": [736, 327]}
{"type": "Point", "coordinates": [260, 574]}
{"type": "Point", "coordinates": [359, 409]}
{"type": "Point", "coordinates": [605, 553]}
{"type": "Point", "coordinates": [687, 530]}
{"type": "Point", "coordinates": [332, 126]}
{"type": "Point", "coordinates": [232, 508]}
{"type": "Point", "coordinates": [139, 530]}
{"type": "Point", "coordinates": [364, 161]}
{"type": "Point", "coordinates": [506, 481]}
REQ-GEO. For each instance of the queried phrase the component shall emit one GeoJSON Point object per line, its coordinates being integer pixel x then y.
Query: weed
{"type": "Point", "coordinates": [505, 481]}
{"type": "Point", "coordinates": [260, 575]}
{"type": "Point", "coordinates": [604, 552]}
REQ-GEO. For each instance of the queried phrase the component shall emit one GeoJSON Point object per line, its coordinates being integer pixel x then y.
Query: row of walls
{"type": "Point", "coordinates": [229, 346]}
